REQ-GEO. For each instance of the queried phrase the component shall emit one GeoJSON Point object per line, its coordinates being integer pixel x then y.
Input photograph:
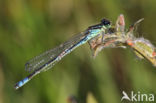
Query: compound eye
{"type": "Point", "coordinates": [105, 22]}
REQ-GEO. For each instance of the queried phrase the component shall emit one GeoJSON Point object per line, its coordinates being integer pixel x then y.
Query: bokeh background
{"type": "Point", "coordinates": [30, 27]}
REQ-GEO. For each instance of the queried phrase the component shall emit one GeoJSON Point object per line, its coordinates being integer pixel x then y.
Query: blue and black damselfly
{"type": "Point", "coordinates": [49, 58]}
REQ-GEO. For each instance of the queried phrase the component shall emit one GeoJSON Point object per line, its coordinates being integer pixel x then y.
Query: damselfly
{"type": "Point", "coordinates": [49, 58]}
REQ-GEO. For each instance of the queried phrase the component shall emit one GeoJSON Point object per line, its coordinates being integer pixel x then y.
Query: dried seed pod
{"type": "Point", "coordinates": [120, 23]}
{"type": "Point", "coordinates": [143, 48]}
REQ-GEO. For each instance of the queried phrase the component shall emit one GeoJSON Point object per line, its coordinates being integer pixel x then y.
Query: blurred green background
{"type": "Point", "coordinates": [30, 27]}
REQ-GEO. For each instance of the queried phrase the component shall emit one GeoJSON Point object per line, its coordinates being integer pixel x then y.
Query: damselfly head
{"type": "Point", "coordinates": [105, 22]}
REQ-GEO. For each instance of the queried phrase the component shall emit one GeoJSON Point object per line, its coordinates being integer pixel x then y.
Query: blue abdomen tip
{"type": "Point", "coordinates": [21, 83]}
